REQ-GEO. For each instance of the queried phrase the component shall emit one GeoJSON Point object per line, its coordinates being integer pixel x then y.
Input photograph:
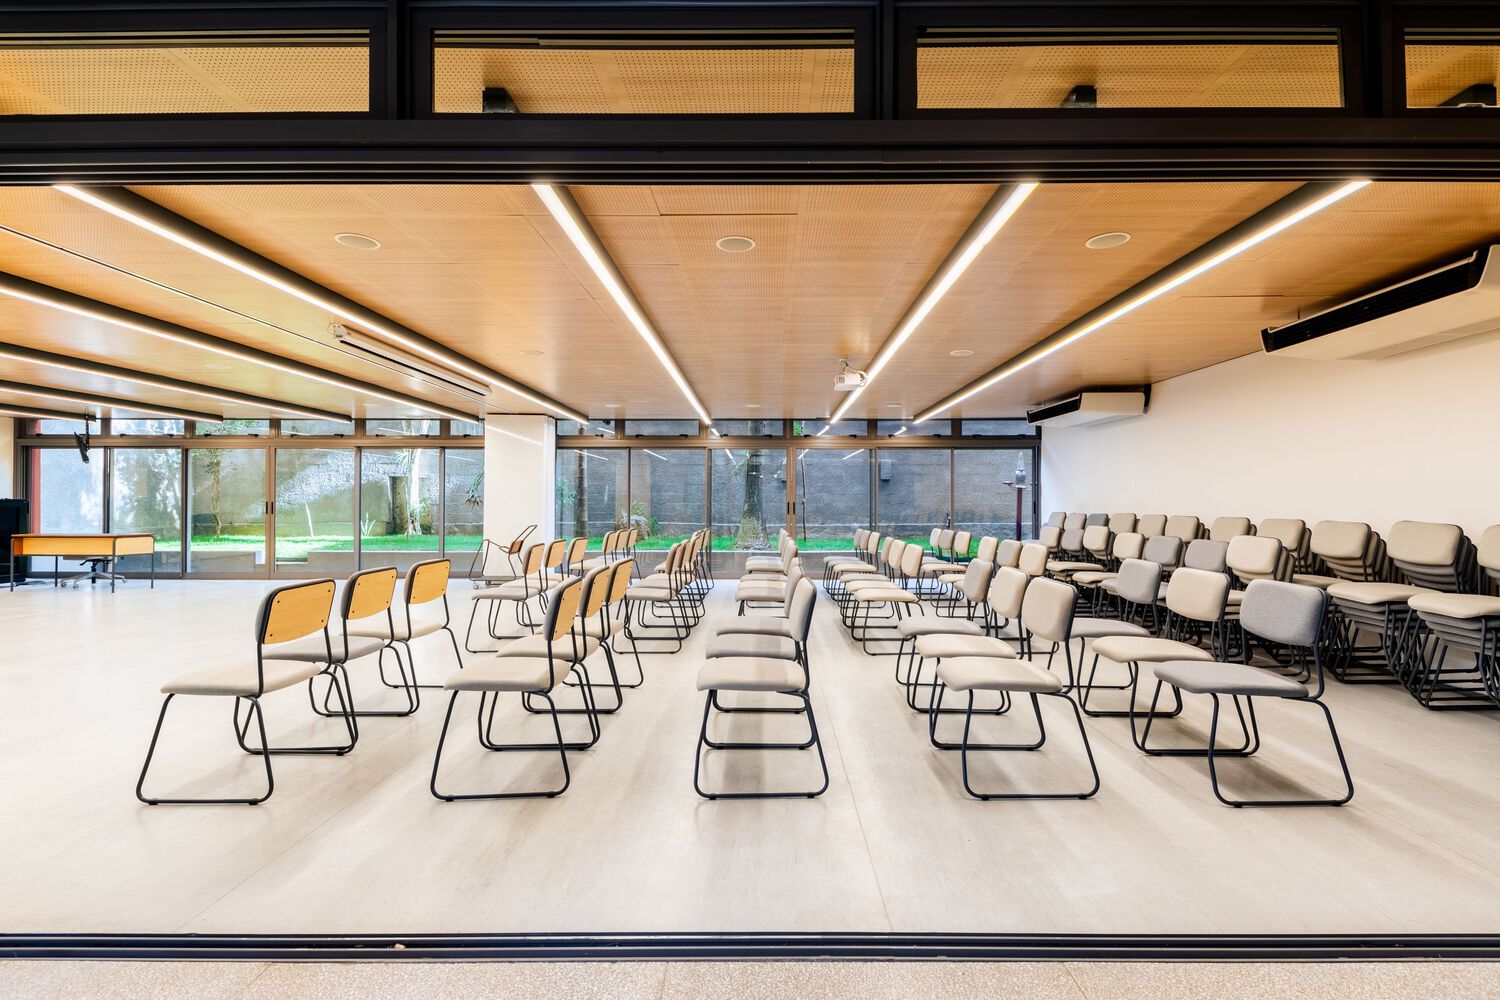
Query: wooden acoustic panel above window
{"type": "Point", "coordinates": [183, 74]}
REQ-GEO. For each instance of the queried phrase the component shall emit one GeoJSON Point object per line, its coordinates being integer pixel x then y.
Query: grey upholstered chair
{"type": "Point", "coordinates": [1291, 616]}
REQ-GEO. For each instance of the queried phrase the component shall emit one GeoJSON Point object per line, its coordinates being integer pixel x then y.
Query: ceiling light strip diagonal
{"type": "Point", "coordinates": [580, 232]}
{"type": "Point", "coordinates": [1301, 204]}
{"type": "Point", "coordinates": [999, 210]}
{"type": "Point", "coordinates": [146, 214]}
{"type": "Point", "coordinates": [107, 402]}
{"type": "Point", "coordinates": [69, 302]}
{"type": "Point", "coordinates": [16, 352]}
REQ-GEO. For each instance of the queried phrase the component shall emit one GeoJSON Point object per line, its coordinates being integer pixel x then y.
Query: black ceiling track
{"type": "Point", "coordinates": [755, 947]}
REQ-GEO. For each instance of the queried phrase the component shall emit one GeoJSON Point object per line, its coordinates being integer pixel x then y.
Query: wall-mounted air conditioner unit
{"type": "Point", "coordinates": [1088, 408]}
{"type": "Point", "coordinates": [1453, 302]}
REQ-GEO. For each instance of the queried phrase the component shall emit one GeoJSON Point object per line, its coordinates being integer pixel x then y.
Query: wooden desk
{"type": "Point", "coordinates": [82, 546]}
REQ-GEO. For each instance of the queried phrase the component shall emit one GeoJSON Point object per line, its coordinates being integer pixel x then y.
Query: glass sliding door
{"type": "Point", "coordinates": [463, 505]}
{"type": "Point", "coordinates": [832, 496]}
{"type": "Point", "coordinates": [67, 495]}
{"type": "Point", "coordinates": [749, 503]}
{"type": "Point", "coordinates": [400, 499]}
{"type": "Point", "coordinates": [667, 493]}
{"type": "Point", "coordinates": [226, 513]}
{"type": "Point", "coordinates": [593, 487]}
{"type": "Point", "coordinates": [983, 503]}
{"type": "Point", "coordinates": [145, 495]}
{"type": "Point", "coordinates": [913, 491]}
{"type": "Point", "coordinates": [314, 512]}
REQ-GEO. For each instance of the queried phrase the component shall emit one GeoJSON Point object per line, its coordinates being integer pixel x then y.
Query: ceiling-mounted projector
{"type": "Point", "coordinates": [848, 379]}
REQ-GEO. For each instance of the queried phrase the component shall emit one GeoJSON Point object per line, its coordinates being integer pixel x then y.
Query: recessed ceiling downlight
{"type": "Point", "coordinates": [1107, 241]}
{"type": "Point", "coordinates": [961, 353]}
{"type": "Point", "coordinates": [735, 244]}
{"type": "Point", "coordinates": [531, 354]}
{"type": "Point", "coordinates": [354, 241]}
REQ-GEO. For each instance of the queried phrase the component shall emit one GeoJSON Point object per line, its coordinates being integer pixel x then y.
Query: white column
{"type": "Point", "coordinates": [519, 473]}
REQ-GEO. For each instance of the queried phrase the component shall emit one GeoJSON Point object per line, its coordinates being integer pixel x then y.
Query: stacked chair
{"type": "Point", "coordinates": [1465, 624]}
{"type": "Point", "coordinates": [676, 589]}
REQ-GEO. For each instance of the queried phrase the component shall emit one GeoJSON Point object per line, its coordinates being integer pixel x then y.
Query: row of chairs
{"type": "Point", "coordinates": [299, 640]}
{"type": "Point", "coordinates": [1002, 611]}
{"type": "Point", "coordinates": [1417, 608]}
{"type": "Point", "coordinates": [763, 655]}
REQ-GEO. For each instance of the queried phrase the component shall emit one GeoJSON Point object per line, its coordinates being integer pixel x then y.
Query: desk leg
{"type": "Point", "coordinates": [12, 567]}
{"type": "Point", "coordinates": [56, 571]}
{"type": "Point", "coordinates": [153, 569]}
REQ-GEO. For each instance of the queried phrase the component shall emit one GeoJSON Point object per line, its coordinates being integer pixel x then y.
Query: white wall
{"type": "Point", "coordinates": [1416, 436]}
{"type": "Point", "coordinates": [519, 469]}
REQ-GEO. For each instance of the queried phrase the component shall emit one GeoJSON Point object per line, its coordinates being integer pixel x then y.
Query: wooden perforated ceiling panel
{"type": "Point", "coordinates": [183, 80]}
{"type": "Point", "coordinates": [1436, 73]}
{"type": "Point", "coordinates": [648, 81]}
{"type": "Point", "coordinates": [1129, 76]}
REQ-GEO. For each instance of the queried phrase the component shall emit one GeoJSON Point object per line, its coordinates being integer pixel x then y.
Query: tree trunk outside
{"type": "Point", "coordinates": [752, 534]}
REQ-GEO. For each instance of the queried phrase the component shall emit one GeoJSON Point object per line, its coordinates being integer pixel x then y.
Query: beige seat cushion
{"type": "Point", "coordinates": [750, 673]}
{"type": "Point", "coordinates": [989, 673]}
{"type": "Point", "coordinates": [417, 630]}
{"type": "Point", "coordinates": [1147, 649]}
{"type": "Point", "coordinates": [867, 583]}
{"type": "Point", "coordinates": [655, 594]}
{"type": "Point", "coordinates": [1228, 678]}
{"type": "Point", "coordinates": [1314, 580]}
{"type": "Point", "coordinates": [774, 647]}
{"type": "Point", "coordinates": [1374, 593]}
{"type": "Point", "coordinates": [1068, 566]}
{"type": "Point", "coordinates": [750, 592]}
{"type": "Point", "coordinates": [885, 595]}
{"type": "Point", "coordinates": [763, 562]}
{"type": "Point", "coordinates": [1092, 578]}
{"type": "Point", "coordinates": [510, 673]}
{"type": "Point", "coordinates": [1099, 628]}
{"type": "Point", "coordinates": [240, 679]}
{"type": "Point", "coordinates": [756, 625]}
{"type": "Point", "coordinates": [945, 646]}
{"type": "Point", "coordinates": [595, 630]}
{"type": "Point", "coordinates": [312, 649]}
{"type": "Point", "coordinates": [563, 649]}
{"type": "Point", "coordinates": [933, 625]}
{"type": "Point", "coordinates": [1456, 605]}
{"type": "Point", "coordinates": [515, 590]}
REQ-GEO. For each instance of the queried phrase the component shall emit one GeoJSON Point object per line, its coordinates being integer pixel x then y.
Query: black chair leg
{"type": "Point", "coordinates": [140, 784]}
{"type": "Point", "coordinates": [1338, 748]}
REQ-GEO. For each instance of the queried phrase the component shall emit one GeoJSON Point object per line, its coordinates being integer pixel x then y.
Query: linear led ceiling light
{"type": "Point", "coordinates": [991, 219]}
{"type": "Point", "coordinates": [109, 402]}
{"type": "Point", "coordinates": [30, 356]}
{"type": "Point", "coordinates": [1306, 201]}
{"type": "Point", "coordinates": [146, 214]}
{"type": "Point", "coordinates": [576, 225]}
{"type": "Point", "coordinates": [427, 370]}
{"type": "Point", "coordinates": [64, 301]}
{"type": "Point", "coordinates": [44, 414]}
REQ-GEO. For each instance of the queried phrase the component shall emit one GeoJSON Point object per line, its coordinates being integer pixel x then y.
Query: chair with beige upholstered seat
{"type": "Point", "coordinates": [590, 634]}
{"type": "Point", "coordinates": [1048, 612]}
{"type": "Point", "coordinates": [367, 598]}
{"type": "Point", "coordinates": [1184, 526]}
{"type": "Point", "coordinates": [898, 594]}
{"type": "Point", "coordinates": [768, 592]}
{"type": "Point", "coordinates": [608, 549]}
{"type": "Point", "coordinates": [1118, 524]}
{"type": "Point", "coordinates": [1294, 537]}
{"type": "Point", "coordinates": [426, 589]}
{"type": "Point", "coordinates": [1055, 519]}
{"type": "Point", "coordinates": [1128, 545]}
{"type": "Point", "coordinates": [788, 642]}
{"type": "Point", "coordinates": [1164, 550]}
{"type": "Point", "coordinates": [1136, 587]}
{"type": "Point", "coordinates": [1151, 525]}
{"type": "Point", "coordinates": [662, 592]}
{"type": "Point", "coordinates": [1050, 538]}
{"type": "Point", "coordinates": [1348, 550]}
{"type": "Point", "coordinates": [1007, 553]}
{"type": "Point", "coordinates": [530, 585]}
{"type": "Point", "coordinates": [288, 614]}
{"type": "Point", "coordinates": [1468, 624]}
{"type": "Point", "coordinates": [1195, 629]}
{"type": "Point", "coordinates": [1430, 558]}
{"type": "Point", "coordinates": [1095, 544]}
{"type": "Point", "coordinates": [974, 591]}
{"type": "Point", "coordinates": [1287, 615]}
{"type": "Point", "coordinates": [1000, 635]}
{"type": "Point", "coordinates": [736, 673]}
{"type": "Point", "coordinates": [1222, 529]}
{"type": "Point", "coordinates": [529, 675]}
{"type": "Point", "coordinates": [1253, 557]}
{"type": "Point", "coordinates": [1033, 559]}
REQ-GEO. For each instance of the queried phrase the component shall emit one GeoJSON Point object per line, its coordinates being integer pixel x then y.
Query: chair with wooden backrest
{"type": "Point", "coordinates": [368, 594]}
{"type": "Point", "coordinates": [530, 585]}
{"type": "Point", "coordinates": [611, 620]}
{"type": "Point", "coordinates": [287, 614]}
{"type": "Point", "coordinates": [529, 675]}
{"type": "Point", "coordinates": [590, 635]}
{"type": "Point", "coordinates": [426, 584]}
{"type": "Point", "coordinates": [606, 551]}
{"type": "Point", "coordinates": [663, 589]}
{"type": "Point", "coordinates": [573, 556]}
{"type": "Point", "coordinates": [509, 552]}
